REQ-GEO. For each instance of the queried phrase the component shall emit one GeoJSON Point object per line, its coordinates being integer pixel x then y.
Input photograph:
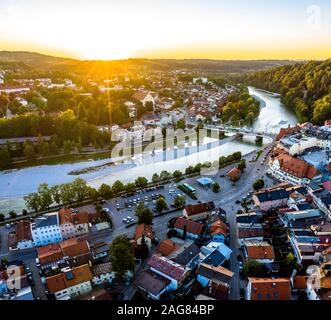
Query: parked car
{"type": "Point", "coordinates": [105, 210]}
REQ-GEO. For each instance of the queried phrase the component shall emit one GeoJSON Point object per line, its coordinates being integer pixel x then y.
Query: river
{"type": "Point", "coordinates": [17, 183]}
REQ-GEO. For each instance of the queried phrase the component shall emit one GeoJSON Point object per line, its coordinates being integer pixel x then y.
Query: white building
{"type": "Point", "coordinates": [46, 230]}
{"type": "Point", "coordinates": [296, 144]}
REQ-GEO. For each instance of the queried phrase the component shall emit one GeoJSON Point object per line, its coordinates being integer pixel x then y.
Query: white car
{"type": "Point", "coordinates": [105, 210]}
{"type": "Point", "coordinates": [125, 220]}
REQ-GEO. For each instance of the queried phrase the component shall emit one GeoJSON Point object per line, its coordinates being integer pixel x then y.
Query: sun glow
{"type": "Point", "coordinates": [162, 29]}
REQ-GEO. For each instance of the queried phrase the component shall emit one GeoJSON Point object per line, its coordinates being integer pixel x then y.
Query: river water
{"type": "Point", "coordinates": [18, 183]}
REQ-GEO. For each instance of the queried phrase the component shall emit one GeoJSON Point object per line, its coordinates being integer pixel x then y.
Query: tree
{"type": "Point", "coordinates": [287, 265]}
{"type": "Point", "coordinates": [2, 217]}
{"type": "Point", "coordinates": [181, 124]}
{"type": "Point", "coordinates": [56, 194]}
{"type": "Point", "coordinates": [105, 191]}
{"type": "Point", "coordinates": [33, 201]}
{"type": "Point", "coordinates": [216, 187]}
{"type": "Point", "coordinates": [149, 106]}
{"type": "Point", "coordinates": [13, 214]}
{"type": "Point", "coordinates": [161, 205]}
{"type": "Point", "coordinates": [155, 178]}
{"type": "Point", "coordinates": [242, 165]}
{"type": "Point", "coordinates": [29, 151]}
{"type": "Point", "coordinates": [177, 174]}
{"type": "Point", "coordinates": [117, 187]}
{"type": "Point", "coordinates": [165, 175]}
{"type": "Point", "coordinates": [121, 257]}
{"type": "Point", "coordinates": [144, 214]}
{"type": "Point", "coordinates": [141, 182]}
{"type": "Point", "coordinates": [67, 146]}
{"type": "Point", "coordinates": [45, 149]}
{"type": "Point", "coordinates": [258, 184]}
{"type": "Point", "coordinates": [179, 201]}
{"type": "Point", "coordinates": [80, 189]}
{"type": "Point", "coordinates": [67, 193]}
{"type": "Point", "coordinates": [253, 268]}
{"type": "Point", "coordinates": [45, 196]}
{"type": "Point", "coordinates": [5, 159]}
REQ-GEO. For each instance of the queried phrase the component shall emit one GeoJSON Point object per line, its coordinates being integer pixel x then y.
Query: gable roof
{"type": "Point", "coordinates": [215, 273]}
{"type": "Point", "coordinates": [191, 226]}
{"type": "Point", "coordinates": [219, 227]}
{"type": "Point", "coordinates": [166, 247]}
{"type": "Point", "coordinates": [297, 167]}
{"type": "Point", "coordinates": [23, 231]}
{"type": "Point", "coordinates": [259, 250]}
{"type": "Point", "coordinates": [167, 267]}
{"type": "Point", "coordinates": [187, 254]}
{"type": "Point", "coordinates": [285, 131]}
{"type": "Point", "coordinates": [65, 280]}
{"type": "Point", "coordinates": [151, 282]}
{"type": "Point", "coordinates": [144, 229]}
{"type": "Point", "coordinates": [140, 95]}
{"type": "Point", "coordinates": [234, 173]}
{"type": "Point", "coordinates": [217, 291]}
{"type": "Point", "coordinates": [270, 289]}
{"type": "Point", "coordinates": [273, 195]}
{"type": "Point", "coordinates": [194, 209]}
{"type": "Point", "coordinates": [246, 231]}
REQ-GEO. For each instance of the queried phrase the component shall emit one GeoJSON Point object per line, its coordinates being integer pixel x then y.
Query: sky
{"type": "Point", "coordinates": [182, 29]}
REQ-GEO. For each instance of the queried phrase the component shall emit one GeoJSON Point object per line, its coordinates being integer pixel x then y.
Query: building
{"type": "Point", "coordinates": [296, 144]}
{"type": "Point", "coordinates": [46, 230]}
{"type": "Point", "coordinates": [218, 231]}
{"type": "Point", "coordinates": [234, 174]}
{"type": "Point", "coordinates": [168, 269]}
{"type": "Point", "coordinates": [73, 224]}
{"type": "Point", "coordinates": [207, 273]}
{"type": "Point", "coordinates": [268, 289]}
{"type": "Point", "coordinates": [288, 169]}
{"type": "Point", "coordinates": [267, 200]}
{"type": "Point", "coordinates": [99, 250]}
{"type": "Point", "coordinates": [22, 238]}
{"type": "Point", "coordinates": [150, 119]}
{"type": "Point", "coordinates": [196, 212]}
{"type": "Point", "coordinates": [144, 97]}
{"type": "Point", "coordinates": [151, 284]}
{"type": "Point", "coordinates": [187, 256]}
{"type": "Point", "coordinates": [70, 283]}
{"type": "Point", "coordinates": [144, 231]}
{"type": "Point", "coordinates": [192, 229]}
{"type": "Point", "coordinates": [251, 231]}
{"type": "Point", "coordinates": [260, 251]}
{"type": "Point", "coordinates": [102, 273]}
{"type": "Point", "coordinates": [166, 247]}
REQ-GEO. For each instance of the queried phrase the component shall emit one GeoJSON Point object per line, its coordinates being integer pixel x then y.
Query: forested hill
{"type": "Point", "coordinates": [304, 87]}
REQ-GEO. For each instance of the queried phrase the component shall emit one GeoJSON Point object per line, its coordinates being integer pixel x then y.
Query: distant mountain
{"type": "Point", "coordinates": [46, 62]}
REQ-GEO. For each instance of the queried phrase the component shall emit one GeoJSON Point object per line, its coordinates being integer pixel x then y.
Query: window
{"type": "Point", "coordinates": [268, 296]}
{"type": "Point", "coordinates": [276, 295]}
{"type": "Point", "coordinates": [259, 296]}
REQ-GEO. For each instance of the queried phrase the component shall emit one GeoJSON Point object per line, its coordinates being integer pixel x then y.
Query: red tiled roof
{"type": "Point", "coordinates": [60, 282]}
{"type": "Point", "coordinates": [193, 209]}
{"type": "Point", "coordinates": [259, 250]}
{"type": "Point", "coordinates": [219, 227]}
{"type": "Point", "coordinates": [234, 173]}
{"type": "Point", "coordinates": [285, 131]}
{"type": "Point", "coordinates": [300, 282]}
{"type": "Point", "coordinates": [270, 289]}
{"type": "Point", "coordinates": [67, 216]}
{"type": "Point", "coordinates": [191, 226]}
{"type": "Point", "coordinates": [166, 247]}
{"type": "Point", "coordinates": [167, 267]}
{"type": "Point", "coordinates": [297, 167]}
{"type": "Point", "coordinates": [327, 185]}
{"type": "Point", "coordinates": [144, 229]}
{"type": "Point", "coordinates": [140, 95]}
{"type": "Point", "coordinates": [23, 231]}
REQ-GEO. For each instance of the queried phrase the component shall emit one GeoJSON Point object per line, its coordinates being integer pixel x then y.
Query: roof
{"type": "Point", "coordinates": [166, 247]}
{"type": "Point", "coordinates": [144, 229]}
{"type": "Point", "coordinates": [273, 195]}
{"type": "Point", "coordinates": [167, 267]}
{"type": "Point", "coordinates": [259, 250]}
{"type": "Point", "coordinates": [56, 251]}
{"type": "Point", "coordinates": [102, 268]}
{"type": "Point", "coordinates": [191, 226]}
{"type": "Point", "coordinates": [297, 167]}
{"type": "Point", "coordinates": [140, 95]}
{"type": "Point", "coordinates": [300, 282]}
{"type": "Point", "coordinates": [151, 282]}
{"type": "Point", "coordinates": [23, 231]}
{"type": "Point", "coordinates": [67, 216]}
{"type": "Point", "coordinates": [327, 185]}
{"type": "Point", "coordinates": [194, 209]}
{"type": "Point", "coordinates": [187, 254]}
{"type": "Point", "coordinates": [218, 227]}
{"type": "Point", "coordinates": [204, 181]}
{"type": "Point", "coordinates": [246, 231]}
{"type": "Point", "coordinates": [47, 220]}
{"type": "Point", "coordinates": [150, 117]}
{"type": "Point", "coordinates": [215, 273]}
{"type": "Point", "coordinates": [217, 291]}
{"type": "Point", "coordinates": [99, 294]}
{"type": "Point", "coordinates": [270, 289]}
{"type": "Point", "coordinates": [69, 279]}
{"type": "Point", "coordinates": [64, 216]}
{"type": "Point", "coordinates": [215, 259]}
{"type": "Point", "coordinates": [80, 218]}
{"type": "Point", "coordinates": [234, 173]}
{"type": "Point", "coordinates": [285, 131]}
